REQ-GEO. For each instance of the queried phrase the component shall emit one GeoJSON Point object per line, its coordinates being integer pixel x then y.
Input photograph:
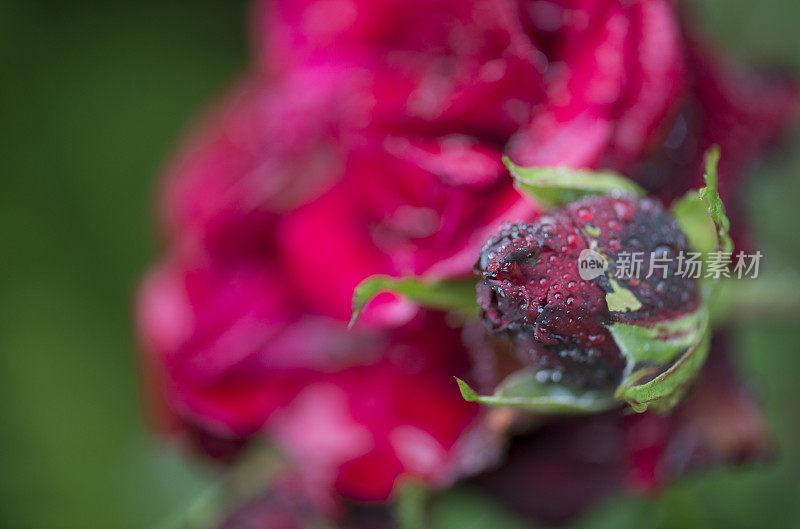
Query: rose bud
{"type": "Point", "coordinates": [531, 288]}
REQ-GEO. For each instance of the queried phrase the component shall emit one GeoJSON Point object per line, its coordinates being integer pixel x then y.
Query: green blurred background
{"type": "Point", "coordinates": [94, 96]}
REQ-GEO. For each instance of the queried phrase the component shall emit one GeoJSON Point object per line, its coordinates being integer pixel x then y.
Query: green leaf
{"type": "Point", "coordinates": [554, 186]}
{"type": "Point", "coordinates": [620, 299]}
{"type": "Point", "coordinates": [662, 359]}
{"type": "Point", "coordinates": [457, 295]}
{"type": "Point", "coordinates": [523, 390]}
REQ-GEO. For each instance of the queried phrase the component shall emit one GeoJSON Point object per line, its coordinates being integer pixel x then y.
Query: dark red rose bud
{"type": "Point", "coordinates": [531, 287]}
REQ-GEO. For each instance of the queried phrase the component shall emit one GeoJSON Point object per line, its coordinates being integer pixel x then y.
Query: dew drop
{"type": "Point", "coordinates": [623, 210]}
{"type": "Point", "coordinates": [596, 338]}
{"type": "Point", "coordinates": [572, 240]}
{"type": "Point", "coordinates": [663, 250]}
{"type": "Point", "coordinates": [585, 214]}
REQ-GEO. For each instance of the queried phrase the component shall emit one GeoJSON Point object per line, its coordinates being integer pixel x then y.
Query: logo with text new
{"type": "Point", "coordinates": [591, 264]}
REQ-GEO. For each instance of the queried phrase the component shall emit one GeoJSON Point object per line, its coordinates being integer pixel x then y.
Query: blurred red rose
{"type": "Point", "coordinates": [368, 140]}
{"type": "Point", "coordinates": [357, 409]}
{"type": "Point", "coordinates": [575, 83]}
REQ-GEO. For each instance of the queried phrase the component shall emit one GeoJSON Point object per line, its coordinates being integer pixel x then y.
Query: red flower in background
{"type": "Point", "coordinates": [355, 410]}
{"type": "Point", "coordinates": [368, 141]}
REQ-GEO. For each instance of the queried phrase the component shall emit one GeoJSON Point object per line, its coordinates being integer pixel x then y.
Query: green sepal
{"type": "Point", "coordinates": [661, 342]}
{"type": "Point", "coordinates": [554, 186]}
{"type": "Point", "coordinates": [701, 214]}
{"type": "Point", "coordinates": [693, 218]}
{"type": "Point", "coordinates": [456, 295]}
{"type": "Point", "coordinates": [710, 195]}
{"type": "Point", "coordinates": [523, 390]}
{"type": "Point", "coordinates": [662, 359]}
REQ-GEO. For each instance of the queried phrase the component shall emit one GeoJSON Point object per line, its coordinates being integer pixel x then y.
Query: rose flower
{"type": "Point", "coordinates": [367, 139]}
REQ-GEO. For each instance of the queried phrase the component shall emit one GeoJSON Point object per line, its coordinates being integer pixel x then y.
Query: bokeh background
{"type": "Point", "coordinates": [94, 96]}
